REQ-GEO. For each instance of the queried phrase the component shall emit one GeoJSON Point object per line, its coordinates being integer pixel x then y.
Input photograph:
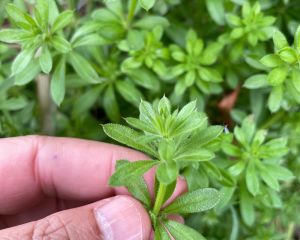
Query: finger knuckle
{"type": "Point", "coordinates": [52, 227]}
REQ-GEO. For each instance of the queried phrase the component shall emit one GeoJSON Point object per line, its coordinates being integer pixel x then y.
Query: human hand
{"type": "Point", "coordinates": [57, 188]}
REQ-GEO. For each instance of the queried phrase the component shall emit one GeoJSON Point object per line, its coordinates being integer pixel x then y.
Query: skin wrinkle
{"type": "Point", "coordinates": [35, 162]}
{"type": "Point", "coordinates": [45, 227]}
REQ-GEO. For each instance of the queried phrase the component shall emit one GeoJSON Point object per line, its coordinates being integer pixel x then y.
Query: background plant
{"type": "Point", "coordinates": [68, 65]}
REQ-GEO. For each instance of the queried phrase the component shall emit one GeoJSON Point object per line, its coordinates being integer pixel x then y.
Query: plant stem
{"type": "Point", "coordinates": [46, 105]}
{"type": "Point", "coordinates": [290, 233]}
{"type": "Point", "coordinates": [131, 11]}
{"type": "Point", "coordinates": [159, 198]}
{"type": "Point", "coordinates": [275, 118]}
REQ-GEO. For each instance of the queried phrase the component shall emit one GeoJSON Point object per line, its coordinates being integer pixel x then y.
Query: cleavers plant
{"type": "Point", "coordinates": [172, 139]}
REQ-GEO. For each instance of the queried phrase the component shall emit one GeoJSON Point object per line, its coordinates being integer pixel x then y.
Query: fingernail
{"type": "Point", "coordinates": [119, 219]}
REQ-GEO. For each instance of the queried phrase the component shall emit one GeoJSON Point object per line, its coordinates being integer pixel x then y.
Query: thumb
{"type": "Point", "coordinates": [117, 218]}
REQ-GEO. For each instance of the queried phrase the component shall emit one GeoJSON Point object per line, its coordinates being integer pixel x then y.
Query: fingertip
{"type": "Point", "coordinates": [123, 217]}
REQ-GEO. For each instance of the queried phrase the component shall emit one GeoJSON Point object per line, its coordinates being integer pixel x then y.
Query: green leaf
{"type": "Point", "coordinates": [182, 232]}
{"type": "Point", "coordinates": [87, 28]}
{"type": "Point", "coordinates": [237, 168]}
{"type": "Point", "coordinates": [45, 60]}
{"type": "Point", "coordinates": [246, 207]}
{"type": "Point", "coordinates": [204, 138]}
{"type": "Point", "coordinates": [240, 136]}
{"type": "Point", "coordinates": [179, 56]}
{"type": "Point", "coordinates": [279, 40]}
{"type": "Point", "coordinates": [246, 10]}
{"type": "Point", "coordinates": [90, 39]}
{"type": "Point", "coordinates": [166, 150]}
{"type": "Point", "coordinates": [277, 76]}
{"type": "Point", "coordinates": [135, 40]}
{"type": "Point", "coordinates": [211, 53]}
{"type": "Point", "coordinates": [147, 4]}
{"type": "Point", "coordinates": [161, 233]}
{"type": "Point", "coordinates": [279, 172]}
{"type": "Point", "coordinates": [227, 194]}
{"type": "Point", "coordinates": [271, 60]}
{"type": "Point", "coordinates": [83, 68]}
{"type": "Point", "coordinates": [233, 20]}
{"type": "Point", "coordinates": [252, 179]}
{"type": "Point", "coordinates": [297, 38]}
{"type": "Point", "coordinates": [53, 12]}
{"type": "Point", "coordinates": [147, 113]}
{"type": "Point", "coordinates": [28, 74]}
{"type": "Point", "coordinates": [196, 178]}
{"type": "Point", "coordinates": [105, 15]}
{"type": "Point", "coordinates": [248, 128]}
{"type": "Point", "coordinates": [195, 155]}
{"type": "Point", "coordinates": [296, 79]}
{"type": "Point", "coordinates": [127, 136]}
{"type": "Point", "coordinates": [130, 171]}
{"type": "Point", "coordinates": [275, 98]}
{"type": "Point", "coordinates": [17, 15]}
{"type": "Point", "coordinates": [256, 81]}
{"type": "Point", "coordinates": [130, 63]}
{"type": "Point", "coordinates": [268, 178]}
{"type": "Point", "coordinates": [216, 10]}
{"type": "Point", "coordinates": [259, 137]}
{"type": "Point", "coordinates": [129, 92]}
{"type": "Point", "coordinates": [43, 10]}
{"type": "Point", "coordinates": [13, 35]}
{"type": "Point", "coordinates": [58, 82]}
{"type": "Point", "coordinates": [196, 201]}
{"type": "Point", "coordinates": [86, 101]}
{"type": "Point", "coordinates": [13, 104]}
{"type": "Point", "coordinates": [235, 224]}
{"type": "Point", "coordinates": [167, 172]}
{"type": "Point", "coordinates": [210, 74]}
{"type": "Point", "coordinates": [62, 21]}
{"type": "Point", "coordinates": [110, 104]}
{"type": "Point", "coordinates": [180, 87]}
{"type": "Point", "coordinates": [137, 187]}
{"type": "Point", "coordinates": [149, 22]}
{"type": "Point", "coordinates": [141, 125]}
{"type": "Point", "coordinates": [60, 44]}
{"type": "Point", "coordinates": [140, 191]}
{"type": "Point", "coordinates": [22, 61]}
{"type": "Point", "coordinates": [237, 33]}
{"type": "Point", "coordinates": [288, 55]}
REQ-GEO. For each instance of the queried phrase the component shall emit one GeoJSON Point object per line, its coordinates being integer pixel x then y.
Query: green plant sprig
{"type": "Point", "coordinates": [174, 140]}
{"type": "Point", "coordinates": [256, 167]}
{"type": "Point", "coordinates": [283, 73]}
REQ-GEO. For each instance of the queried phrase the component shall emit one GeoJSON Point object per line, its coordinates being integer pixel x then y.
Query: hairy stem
{"type": "Point", "coordinates": [131, 12]}
{"type": "Point", "coordinates": [46, 105]}
{"type": "Point", "coordinates": [159, 198]}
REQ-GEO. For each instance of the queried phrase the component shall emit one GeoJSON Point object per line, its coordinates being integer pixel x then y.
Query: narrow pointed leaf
{"type": "Point", "coordinates": [131, 171]}
{"type": "Point", "coordinates": [46, 60]}
{"type": "Point", "coordinates": [196, 201]}
{"type": "Point", "coordinates": [62, 20]}
{"type": "Point", "coordinates": [58, 82]}
{"type": "Point", "coordinates": [127, 136]}
{"type": "Point", "coordinates": [182, 232]}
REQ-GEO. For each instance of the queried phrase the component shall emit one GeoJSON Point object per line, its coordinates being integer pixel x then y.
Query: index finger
{"type": "Point", "coordinates": [32, 167]}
